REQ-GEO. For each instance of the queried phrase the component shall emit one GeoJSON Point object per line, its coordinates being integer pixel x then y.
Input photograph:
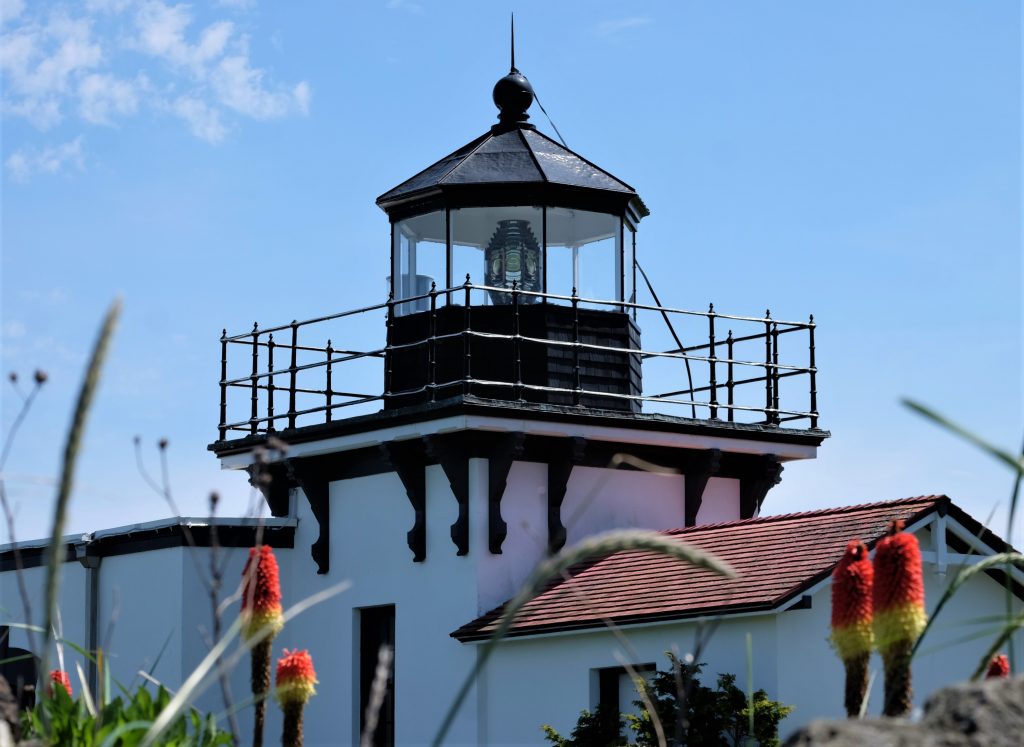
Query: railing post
{"type": "Point", "coordinates": [330, 387]}
{"type": "Point", "coordinates": [729, 384]}
{"type": "Point", "coordinates": [270, 383]}
{"type": "Point", "coordinates": [432, 343]}
{"type": "Point", "coordinates": [467, 354]}
{"type": "Point", "coordinates": [518, 388]}
{"type": "Point", "coordinates": [252, 378]}
{"type": "Point", "coordinates": [768, 366]}
{"type": "Point", "coordinates": [293, 373]}
{"type": "Point", "coordinates": [775, 371]}
{"type": "Point", "coordinates": [389, 355]}
{"type": "Point", "coordinates": [223, 384]}
{"type": "Point", "coordinates": [814, 374]}
{"type": "Point", "coordinates": [576, 382]}
{"type": "Point", "coordinates": [713, 383]}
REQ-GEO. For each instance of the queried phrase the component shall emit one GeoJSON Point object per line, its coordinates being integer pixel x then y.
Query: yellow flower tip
{"type": "Point", "coordinates": [852, 640]}
{"type": "Point", "coordinates": [898, 624]}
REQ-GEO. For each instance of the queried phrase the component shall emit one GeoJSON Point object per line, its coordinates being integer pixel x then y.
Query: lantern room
{"type": "Point", "coordinates": [532, 235]}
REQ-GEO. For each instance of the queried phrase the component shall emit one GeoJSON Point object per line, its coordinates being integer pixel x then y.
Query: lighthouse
{"type": "Point", "coordinates": [499, 404]}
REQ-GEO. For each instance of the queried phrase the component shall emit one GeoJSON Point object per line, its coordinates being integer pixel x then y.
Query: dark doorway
{"type": "Point", "coordinates": [376, 629]}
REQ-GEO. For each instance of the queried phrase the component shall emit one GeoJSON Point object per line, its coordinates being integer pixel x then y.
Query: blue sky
{"type": "Point", "coordinates": [217, 163]}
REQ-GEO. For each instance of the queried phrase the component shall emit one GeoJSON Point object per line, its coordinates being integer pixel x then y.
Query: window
{"type": "Point", "coordinates": [421, 257]}
{"type": "Point", "coordinates": [583, 253]}
{"type": "Point", "coordinates": [616, 689]}
{"type": "Point", "coordinates": [376, 629]}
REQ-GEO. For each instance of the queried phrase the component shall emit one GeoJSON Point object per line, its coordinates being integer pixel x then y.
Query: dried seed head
{"type": "Point", "coordinates": [214, 499]}
{"type": "Point", "coordinates": [40, 376]}
{"type": "Point", "coordinates": [162, 443]}
{"type": "Point", "coordinates": [13, 377]}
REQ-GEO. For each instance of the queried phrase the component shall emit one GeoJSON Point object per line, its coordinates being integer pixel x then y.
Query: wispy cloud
{"type": "Point", "coordinates": [25, 163]}
{"type": "Point", "coordinates": [58, 63]}
{"type": "Point", "coordinates": [618, 25]}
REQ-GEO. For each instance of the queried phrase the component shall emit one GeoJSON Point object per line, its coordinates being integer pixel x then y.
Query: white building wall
{"type": "Point", "coordinates": [524, 509]}
{"type": "Point", "coordinates": [547, 680]}
{"type": "Point", "coordinates": [71, 606]}
{"type": "Point", "coordinates": [370, 517]}
{"type": "Point", "coordinates": [720, 502]}
{"type": "Point", "coordinates": [141, 611]}
{"type": "Point", "coordinates": [599, 500]}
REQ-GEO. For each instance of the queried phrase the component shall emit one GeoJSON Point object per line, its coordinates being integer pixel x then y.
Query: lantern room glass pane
{"type": "Point", "coordinates": [421, 258]}
{"type": "Point", "coordinates": [628, 261]}
{"type": "Point", "coordinates": [497, 246]}
{"type": "Point", "coordinates": [584, 252]}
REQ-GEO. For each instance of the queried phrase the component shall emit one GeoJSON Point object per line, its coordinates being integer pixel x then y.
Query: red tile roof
{"type": "Point", "coordinates": [778, 558]}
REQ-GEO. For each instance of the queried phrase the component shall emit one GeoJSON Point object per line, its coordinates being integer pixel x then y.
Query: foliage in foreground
{"type": "Point", "coordinates": [64, 721]}
{"type": "Point", "coordinates": [707, 718]}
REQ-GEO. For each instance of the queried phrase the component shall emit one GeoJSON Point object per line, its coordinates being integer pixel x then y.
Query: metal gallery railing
{"type": "Point", "coordinates": [274, 378]}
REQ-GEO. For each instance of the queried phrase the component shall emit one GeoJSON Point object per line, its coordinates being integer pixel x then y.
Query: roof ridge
{"type": "Point", "coordinates": [582, 158]}
{"type": "Point", "coordinates": [814, 512]}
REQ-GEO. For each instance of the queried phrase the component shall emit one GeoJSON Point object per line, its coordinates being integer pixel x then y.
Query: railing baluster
{"type": "Point", "coordinates": [330, 390]}
{"type": "Point", "coordinates": [814, 375]}
{"type": "Point", "coordinates": [713, 383]}
{"type": "Point", "coordinates": [270, 383]}
{"type": "Point", "coordinates": [466, 342]}
{"type": "Point", "coordinates": [223, 384]}
{"type": "Point", "coordinates": [775, 371]}
{"type": "Point", "coordinates": [432, 343]}
{"type": "Point", "coordinates": [252, 378]}
{"type": "Point", "coordinates": [768, 366]}
{"type": "Point", "coordinates": [518, 388]}
{"type": "Point", "coordinates": [389, 354]}
{"type": "Point", "coordinates": [293, 374]}
{"type": "Point", "coordinates": [576, 382]}
{"type": "Point", "coordinates": [729, 384]}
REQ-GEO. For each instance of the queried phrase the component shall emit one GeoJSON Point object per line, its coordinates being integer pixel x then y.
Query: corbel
{"type": "Point", "coordinates": [449, 450]}
{"type": "Point", "coordinates": [273, 481]}
{"type": "Point", "coordinates": [408, 460]}
{"type": "Point", "coordinates": [696, 475]}
{"type": "Point", "coordinates": [315, 481]}
{"type": "Point", "coordinates": [762, 475]}
{"type": "Point", "coordinates": [507, 449]}
{"type": "Point", "coordinates": [570, 453]}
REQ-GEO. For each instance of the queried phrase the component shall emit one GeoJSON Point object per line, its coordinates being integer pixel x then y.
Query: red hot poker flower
{"type": "Point", "coordinates": [998, 668]}
{"type": "Point", "coordinates": [261, 593]}
{"type": "Point", "coordinates": [899, 613]}
{"type": "Point", "coordinates": [60, 677]}
{"type": "Point", "coordinates": [852, 583]}
{"type": "Point", "coordinates": [295, 677]}
{"type": "Point", "coordinates": [898, 590]}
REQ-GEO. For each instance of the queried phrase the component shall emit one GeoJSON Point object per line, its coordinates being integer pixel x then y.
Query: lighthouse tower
{"type": "Point", "coordinates": [498, 405]}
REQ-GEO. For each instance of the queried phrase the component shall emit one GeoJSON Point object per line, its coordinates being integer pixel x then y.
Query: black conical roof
{"type": "Point", "coordinates": [509, 157]}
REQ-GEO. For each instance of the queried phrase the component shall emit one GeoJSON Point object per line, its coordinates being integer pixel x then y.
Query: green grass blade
{"type": "Point", "coordinates": [962, 577]}
{"type": "Point", "coordinates": [994, 451]}
{"type": "Point", "coordinates": [72, 446]}
{"type": "Point", "coordinates": [115, 735]}
{"type": "Point", "coordinates": [1011, 627]}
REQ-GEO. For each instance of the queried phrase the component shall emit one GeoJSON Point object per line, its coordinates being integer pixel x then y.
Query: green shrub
{"type": "Point", "coordinates": [707, 718]}
{"type": "Point", "coordinates": [61, 720]}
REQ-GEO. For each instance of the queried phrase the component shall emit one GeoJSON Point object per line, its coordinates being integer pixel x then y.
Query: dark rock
{"type": "Point", "coordinates": [978, 714]}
